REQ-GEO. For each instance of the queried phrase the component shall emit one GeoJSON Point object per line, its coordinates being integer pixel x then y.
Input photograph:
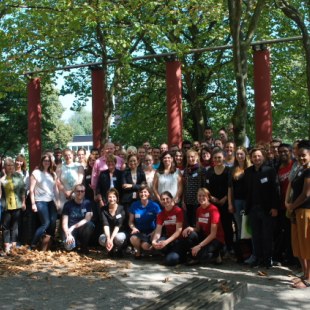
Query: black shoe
{"type": "Point", "coordinates": [83, 251]}
{"type": "Point", "coordinates": [254, 264]}
{"type": "Point", "coordinates": [192, 262]}
{"type": "Point", "coordinates": [268, 263]}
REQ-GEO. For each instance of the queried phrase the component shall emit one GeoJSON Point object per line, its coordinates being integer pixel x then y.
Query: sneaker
{"type": "Point", "coordinates": [250, 260]}
{"type": "Point", "coordinates": [218, 260]}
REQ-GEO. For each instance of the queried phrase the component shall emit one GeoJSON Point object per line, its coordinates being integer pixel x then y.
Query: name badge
{"type": "Point", "coordinates": [207, 181]}
{"type": "Point", "coordinates": [114, 179]}
{"type": "Point", "coordinates": [137, 215]}
{"type": "Point", "coordinates": [118, 216]}
{"type": "Point", "coordinates": [195, 175]}
{"type": "Point", "coordinates": [84, 210]}
{"type": "Point", "coordinates": [134, 195]}
{"type": "Point", "coordinates": [88, 177]}
{"type": "Point", "coordinates": [264, 180]}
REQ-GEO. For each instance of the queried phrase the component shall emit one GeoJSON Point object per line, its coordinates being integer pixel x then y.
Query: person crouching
{"type": "Point", "coordinates": [76, 221]}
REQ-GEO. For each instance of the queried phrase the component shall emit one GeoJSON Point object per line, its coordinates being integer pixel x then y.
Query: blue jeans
{"type": "Point", "coordinates": [48, 215]}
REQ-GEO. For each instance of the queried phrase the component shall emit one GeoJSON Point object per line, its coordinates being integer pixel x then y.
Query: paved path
{"type": "Point", "coordinates": [139, 282]}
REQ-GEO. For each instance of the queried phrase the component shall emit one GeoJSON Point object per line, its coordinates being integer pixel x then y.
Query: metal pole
{"type": "Point", "coordinates": [151, 56]}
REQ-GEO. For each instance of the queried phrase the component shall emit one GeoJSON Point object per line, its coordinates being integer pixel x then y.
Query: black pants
{"type": "Point", "coordinates": [83, 234]}
{"type": "Point", "coordinates": [208, 252]}
{"type": "Point", "coordinates": [262, 225]}
{"type": "Point", "coordinates": [10, 221]}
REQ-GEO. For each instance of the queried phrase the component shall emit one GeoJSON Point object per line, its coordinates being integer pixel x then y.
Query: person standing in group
{"type": "Point", "coordinates": [300, 206]}
{"type": "Point", "coordinates": [156, 157]}
{"type": "Point", "coordinates": [141, 156]}
{"type": "Point", "coordinates": [237, 196]}
{"type": "Point", "coordinates": [237, 188]}
{"type": "Point", "coordinates": [101, 163]}
{"type": "Point", "coordinates": [168, 178]}
{"type": "Point", "coordinates": [110, 178]}
{"type": "Point", "coordinates": [69, 174]}
{"type": "Point", "coordinates": [282, 234]}
{"type": "Point", "coordinates": [206, 157]}
{"type": "Point", "coordinates": [262, 205]}
{"type": "Point", "coordinates": [229, 153]}
{"type": "Point", "coordinates": [43, 194]}
{"type": "Point", "coordinates": [194, 177]}
{"type": "Point", "coordinates": [21, 167]}
{"type": "Point", "coordinates": [179, 161]}
{"type": "Point", "coordinates": [13, 201]}
{"type": "Point", "coordinates": [149, 172]}
{"type": "Point", "coordinates": [81, 157]}
{"type": "Point", "coordinates": [208, 137]}
{"type": "Point", "coordinates": [217, 184]}
{"type": "Point", "coordinates": [132, 179]}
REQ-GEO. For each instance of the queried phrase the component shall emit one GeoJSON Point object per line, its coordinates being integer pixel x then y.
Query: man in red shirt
{"type": "Point", "coordinates": [282, 234]}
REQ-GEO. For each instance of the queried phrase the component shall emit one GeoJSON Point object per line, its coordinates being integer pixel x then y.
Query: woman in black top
{"type": "Point", "coordinates": [113, 216]}
{"type": "Point", "coordinates": [236, 186]}
{"type": "Point", "coordinates": [110, 178]}
{"type": "Point", "coordinates": [217, 184]}
{"type": "Point", "coordinates": [300, 205]}
{"type": "Point", "coordinates": [194, 178]}
{"type": "Point", "coordinates": [132, 179]}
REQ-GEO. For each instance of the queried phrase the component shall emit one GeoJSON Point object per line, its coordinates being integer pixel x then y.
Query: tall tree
{"type": "Point", "coordinates": [299, 12]}
{"type": "Point", "coordinates": [243, 17]}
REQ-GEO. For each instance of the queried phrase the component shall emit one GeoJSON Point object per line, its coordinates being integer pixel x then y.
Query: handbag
{"type": "Point", "coordinates": [246, 230]}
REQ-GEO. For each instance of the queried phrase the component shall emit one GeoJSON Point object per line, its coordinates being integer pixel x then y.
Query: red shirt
{"type": "Point", "coordinates": [169, 219]}
{"type": "Point", "coordinates": [206, 217]}
{"type": "Point", "coordinates": [283, 174]}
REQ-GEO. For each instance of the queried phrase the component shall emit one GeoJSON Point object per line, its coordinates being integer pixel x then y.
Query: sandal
{"type": "Point", "coordinates": [301, 284]}
{"type": "Point", "coordinates": [297, 279]}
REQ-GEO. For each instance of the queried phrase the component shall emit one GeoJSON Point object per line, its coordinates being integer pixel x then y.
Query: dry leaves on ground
{"type": "Point", "coordinates": [58, 263]}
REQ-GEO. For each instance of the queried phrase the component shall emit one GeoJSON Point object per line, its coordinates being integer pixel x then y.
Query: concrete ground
{"type": "Point", "coordinates": [138, 282]}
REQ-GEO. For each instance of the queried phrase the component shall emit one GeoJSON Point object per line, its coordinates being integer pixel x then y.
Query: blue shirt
{"type": "Point", "coordinates": [145, 217]}
{"type": "Point", "coordinates": [76, 212]}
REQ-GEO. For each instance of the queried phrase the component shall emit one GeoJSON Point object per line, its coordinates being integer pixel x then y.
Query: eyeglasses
{"type": "Point", "coordinates": [79, 191]}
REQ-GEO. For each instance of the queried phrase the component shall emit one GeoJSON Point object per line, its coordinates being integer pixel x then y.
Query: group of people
{"type": "Point", "coordinates": [188, 203]}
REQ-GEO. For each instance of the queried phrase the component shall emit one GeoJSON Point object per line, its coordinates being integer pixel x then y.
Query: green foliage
{"type": "Point", "coordinates": [81, 122]}
{"type": "Point", "coordinates": [46, 34]}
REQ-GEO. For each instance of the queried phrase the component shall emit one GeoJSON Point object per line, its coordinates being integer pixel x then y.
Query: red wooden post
{"type": "Point", "coordinates": [262, 89]}
{"type": "Point", "coordinates": [98, 103]}
{"type": "Point", "coordinates": [174, 102]}
{"type": "Point", "coordinates": [34, 123]}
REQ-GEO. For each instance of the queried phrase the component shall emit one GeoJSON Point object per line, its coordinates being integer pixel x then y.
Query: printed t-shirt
{"type": "Point", "coordinates": [76, 212]}
{"type": "Point", "coordinates": [169, 219]}
{"type": "Point", "coordinates": [206, 217]}
{"type": "Point", "coordinates": [145, 217]}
